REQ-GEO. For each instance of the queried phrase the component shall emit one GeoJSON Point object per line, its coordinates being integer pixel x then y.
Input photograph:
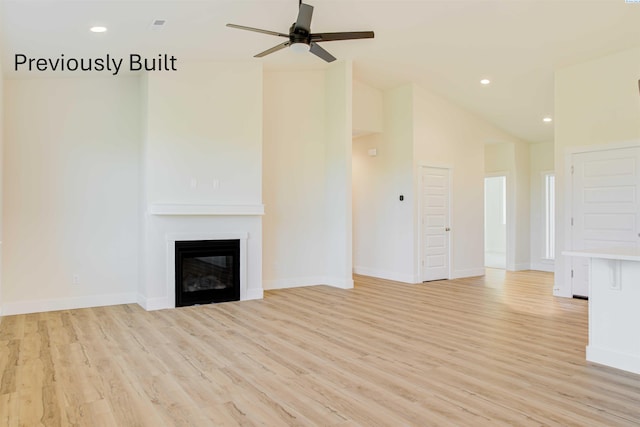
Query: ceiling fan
{"type": "Point", "coordinates": [300, 35]}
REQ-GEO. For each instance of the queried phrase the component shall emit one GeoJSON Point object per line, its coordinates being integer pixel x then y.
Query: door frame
{"type": "Point", "coordinates": [566, 264]}
{"type": "Point", "coordinates": [421, 170]}
{"type": "Point", "coordinates": [510, 226]}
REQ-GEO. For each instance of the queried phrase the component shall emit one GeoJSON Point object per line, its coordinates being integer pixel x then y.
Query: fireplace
{"type": "Point", "coordinates": [207, 271]}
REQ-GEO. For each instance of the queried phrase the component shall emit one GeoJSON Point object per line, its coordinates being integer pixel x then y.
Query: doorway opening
{"type": "Point", "coordinates": [495, 221]}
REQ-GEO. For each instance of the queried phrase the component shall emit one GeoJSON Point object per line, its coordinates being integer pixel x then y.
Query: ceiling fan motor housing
{"type": "Point", "coordinates": [299, 35]}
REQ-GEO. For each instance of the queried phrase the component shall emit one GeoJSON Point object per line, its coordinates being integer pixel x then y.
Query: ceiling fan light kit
{"type": "Point", "coordinates": [299, 47]}
{"type": "Point", "coordinates": [300, 37]}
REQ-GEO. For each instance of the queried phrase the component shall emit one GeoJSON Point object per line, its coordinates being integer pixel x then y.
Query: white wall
{"type": "Point", "coordinates": [192, 138]}
{"type": "Point", "coordinates": [338, 174]}
{"type": "Point", "coordinates": [596, 103]}
{"type": "Point", "coordinates": [294, 178]}
{"type": "Point", "coordinates": [368, 114]}
{"type": "Point", "coordinates": [203, 126]}
{"type": "Point", "coordinates": [512, 160]}
{"type": "Point", "coordinates": [307, 177]}
{"type": "Point", "coordinates": [522, 258]}
{"type": "Point", "coordinates": [541, 162]}
{"type": "Point", "coordinates": [1, 172]}
{"type": "Point", "coordinates": [71, 189]}
{"type": "Point", "coordinates": [446, 134]}
{"type": "Point", "coordinates": [383, 225]}
{"type": "Point", "coordinates": [205, 123]}
{"type": "Point", "coordinates": [499, 159]}
{"type": "Point", "coordinates": [420, 128]}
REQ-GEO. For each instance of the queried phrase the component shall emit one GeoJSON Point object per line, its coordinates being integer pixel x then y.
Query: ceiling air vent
{"type": "Point", "coordinates": [158, 24]}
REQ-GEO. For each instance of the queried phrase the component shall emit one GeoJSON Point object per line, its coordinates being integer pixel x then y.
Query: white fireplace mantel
{"type": "Point", "coordinates": [168, 223]}
{"type": "Point", "coordinates": [203, 210]}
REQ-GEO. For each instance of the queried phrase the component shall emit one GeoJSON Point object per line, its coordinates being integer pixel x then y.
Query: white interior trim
{"type": "Point", "coordinates": [299, 282]}
{"type": "Point", "coordinates": [511, 217]}
{"type": "Point", "coordinates": [183, 209]}
{"type": "Point", "coordinates": [55, 304]}
{"type": "Point", "coordinates": [510, 230]}
{"type": "Point", "coordinates": [603, 356]}
{"type": "Point", "coordinates": [468, 272]}
{"type": "Point", "coordinates": [387, 275]}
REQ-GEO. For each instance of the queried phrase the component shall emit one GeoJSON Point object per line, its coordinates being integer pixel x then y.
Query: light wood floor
{"type": "Point", "coordinates": [481, 351]}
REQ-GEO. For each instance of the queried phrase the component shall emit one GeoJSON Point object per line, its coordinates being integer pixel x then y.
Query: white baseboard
{"type": "Point", "coordinates": [254, 294]}
{"type": "Point", "coordinates": [299, 282]}
{"type": "Point", "coordinates": [468, 272]}
{"type": "Point", "coordinates": [626, 362]}
{"type": "Point", "coordinates": [522, 266]}
{"type": "Point", "coordinates": [563, 292]}
{"type": "Point", "coordinates": [539, 266]}
{"type": "Point", "coordinates": [338, 282]}
{"type": "Point", "coordinates": [40, 306]}
{"type": "Point", "coordinates": [388, 275]}
{"type": "Point", "coordinates": [296, 282]}
{"type": "Point", "coordinates": [151, 304]}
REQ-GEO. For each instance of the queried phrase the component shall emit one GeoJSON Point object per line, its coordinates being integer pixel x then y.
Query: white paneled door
{"type": "Point", "coordinates": [435, 223]}
{"type": "Point", "coordinates": [605, 206]}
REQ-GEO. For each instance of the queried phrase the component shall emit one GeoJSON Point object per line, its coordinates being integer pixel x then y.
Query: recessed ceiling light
{"type": "Point", "coordinates": [98, 29]}
{"type": "Point", "coordinates": [485, 81]}
{"type": "Point", "coordinates": [547, 119]}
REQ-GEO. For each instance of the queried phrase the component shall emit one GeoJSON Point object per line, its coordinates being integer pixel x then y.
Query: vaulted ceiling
{"type": "Point", "coordinates": [446, 46]}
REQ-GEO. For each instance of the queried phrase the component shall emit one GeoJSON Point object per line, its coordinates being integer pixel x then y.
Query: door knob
{"type": "Point", "coordinates": [447, 229]}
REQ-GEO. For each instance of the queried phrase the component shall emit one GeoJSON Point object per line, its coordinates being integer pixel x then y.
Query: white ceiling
{"type": "Point", "coordinates": [446, 46]}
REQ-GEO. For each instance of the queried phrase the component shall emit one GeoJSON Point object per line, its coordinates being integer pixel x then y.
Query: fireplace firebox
{"type": "Point", "coordinates": [207, 271]}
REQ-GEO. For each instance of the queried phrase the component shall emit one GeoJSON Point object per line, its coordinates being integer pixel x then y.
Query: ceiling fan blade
{"type": "Point", "coordinates": [273, 49]}
{"type": "Point", "coordinates": [304, 18]}
{"type": "Point", "coordinates": [350, 35]}
{"type": "Point", "coordinates": [257, 30]}
{"type": "Point", "coordinates": [320, 52]}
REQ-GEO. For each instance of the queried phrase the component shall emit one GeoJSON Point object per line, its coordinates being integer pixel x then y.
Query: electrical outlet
{"type": "Point", "coordinates": [76, 279]}
{"type": "Point", "coordinates": [216, 184]}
